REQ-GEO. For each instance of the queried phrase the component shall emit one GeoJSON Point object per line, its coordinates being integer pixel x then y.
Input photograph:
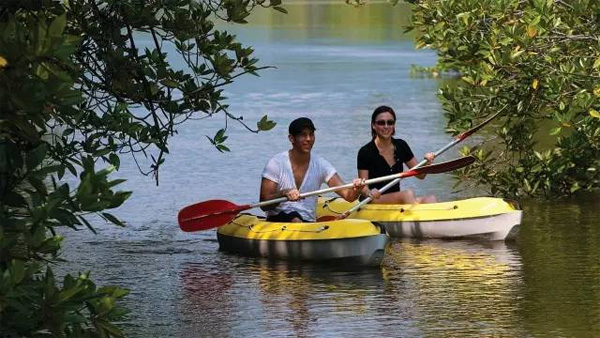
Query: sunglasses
{"type": "Point", "coordinates": [384, 122]}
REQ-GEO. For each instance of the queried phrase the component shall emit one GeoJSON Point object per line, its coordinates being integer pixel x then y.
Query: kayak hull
{"type": "Point", "coordinates": [354, 242]}
{"type": "Point", "coordinates": [494, 228]}
{"type": "Point", "coordinates": [483, 217]}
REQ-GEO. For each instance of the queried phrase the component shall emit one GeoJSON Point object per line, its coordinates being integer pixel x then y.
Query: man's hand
{"type": "Point", "coordinates": [291, 194]}
{"type": "Point", "coordinates": [358, 183]}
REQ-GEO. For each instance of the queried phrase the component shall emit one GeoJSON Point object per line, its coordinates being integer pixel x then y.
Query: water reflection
{"type": "Point", "coordinates": [306, 295]}
{"type": "Point", "coordinates": [326, 20]}
{"type": "Point", "coordinates": [459, 287]}
{"type": "Point", "coordinates": [278, 298]}
{"type": "Point", "coordinates": [425, 288]}
{"type": "Point", "coordinates": [206, 302]}
{"type": "Point", "coordinates": [561, 270]}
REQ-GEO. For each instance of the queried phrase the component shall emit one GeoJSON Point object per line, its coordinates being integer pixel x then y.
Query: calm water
{"type": "Point", "coordinates": [335, 64]}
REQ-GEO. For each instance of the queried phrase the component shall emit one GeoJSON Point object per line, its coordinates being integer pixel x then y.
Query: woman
{"type": "Point", "coordinates": [385, 155]}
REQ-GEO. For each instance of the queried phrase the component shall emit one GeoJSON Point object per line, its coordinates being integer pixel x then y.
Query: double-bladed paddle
{"type": "Point", "coordinates": [214, 213]}
{"type": "Point", "coordinates": [458, 138]}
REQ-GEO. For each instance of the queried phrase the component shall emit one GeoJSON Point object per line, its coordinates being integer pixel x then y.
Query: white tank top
{"type": "Point", "coordinates": [279, 170]}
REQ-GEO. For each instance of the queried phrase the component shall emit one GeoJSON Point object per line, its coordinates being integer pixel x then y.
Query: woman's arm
{"type": "Point", "coordinates": [413, 162]}
{"type": "Point", "coordinates": [373, 193]}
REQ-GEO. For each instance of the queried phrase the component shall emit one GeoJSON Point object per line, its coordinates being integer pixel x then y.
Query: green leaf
{"type": "Point", "coordinates": [170, 83]}
{"type": "Point", "coordinates": [38, 236]}
{"type": "Point", "coordinates": [539, 155]}
{"type": "Point", "coordinates": [219, 136]}
{"type": "Point", "coordinates": [561, 105]}
{"type": "Point", "coordinates": [531, 31]}
{"type": "Point", "coordinates": [222, 148]}
{"type": "Point", "coordinates": [114, 160]}
{"type": "Point", "coordinates": [65, 217]}
{"type": "Point", "coordinates": [527, 185]}
{"type": "Point", "coordinates": [36, 156]}
{"type": "Point", "coordinates": [154, 89]}
{"type": "Point", "coordinates": [113, 219]}
{"type": "Point", "coordinates": [468, 80]}
{"type": "Point", "coordinates": [107, 328]}
{"type": "Point", "coordinates": [281, 9]}
{"type": "Point", "coordinates": [115, 182]}
{"type": "Point", "coordinates": [113, 291]}
{"type": "Point", "coordinates": [17, 269]}
{"type": "Point", "coordinates": [57, 26]}
{"type": "Point", "coordinates": [464, 17]}
{"type": "Point", "coordinates": [94, 205]}
{"type": "Point", "coordinates": [594, 113]}
{"type": "Point", "coordinates": [265, 124]}
{"type": "Point", "coordinates": [555, 131]}
{"type": "Point", "coordinates": [68, 292]}
{"type": "Point", "coordinates": [38, 185]}
{"type": "Point", "coordinates": [574, 187]}
{"type": "Point", "coordinates": [87, 224]}
{"type": "Point", "coordinates": [119, 198]}
{"type": "Point", "coordinates": [516, 54]}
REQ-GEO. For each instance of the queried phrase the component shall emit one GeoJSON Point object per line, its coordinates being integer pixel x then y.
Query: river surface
{"type": "Point", "coordinates": [335, 64]}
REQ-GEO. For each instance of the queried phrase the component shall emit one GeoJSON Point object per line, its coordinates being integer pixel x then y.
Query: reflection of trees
{"type": "Point", "coordinates": [275, 285]}
{"type": "Point", "coordinates": [457, 287]}
{"type": "Point", "coordinates": [372, 23]}
{"type": "Point", "coordinates": [301, 295]}
{"type": "Point", "coordinates": [560, 246]}
{"type": "Point", "coordinates": [206, 301]}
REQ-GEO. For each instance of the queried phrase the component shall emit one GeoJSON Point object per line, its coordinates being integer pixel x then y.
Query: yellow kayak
{"type": "Point", "coordinates": [484, 217]}
{"type": "Point", "coordinates": [352, 240]}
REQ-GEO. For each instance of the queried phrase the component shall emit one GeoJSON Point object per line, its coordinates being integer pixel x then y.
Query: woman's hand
{"type": "Point", "coordinates": [429, 157]}
{"type": "Point", "coordinates": [374, 194]}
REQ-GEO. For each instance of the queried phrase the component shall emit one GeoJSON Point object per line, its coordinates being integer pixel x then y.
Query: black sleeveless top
{"type": "Point", "coordinates": [370, 159]}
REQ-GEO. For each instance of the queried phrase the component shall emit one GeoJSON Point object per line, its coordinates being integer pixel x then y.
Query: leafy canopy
{"type": "Point", "coordinates": [537, 61]}
{"type": "Point", "coordinates": [81, 83]}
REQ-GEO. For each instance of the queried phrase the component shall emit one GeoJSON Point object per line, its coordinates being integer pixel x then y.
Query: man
{"type": "Point", "coordinates": [298, 170]}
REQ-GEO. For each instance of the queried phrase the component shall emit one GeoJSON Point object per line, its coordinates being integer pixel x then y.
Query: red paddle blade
{"type": "Point", "coordinates": [441, 167]}
{"type": "Point", "coordinates": [327, 218]}
{"type": "Point", "coordinates": [207, 215]}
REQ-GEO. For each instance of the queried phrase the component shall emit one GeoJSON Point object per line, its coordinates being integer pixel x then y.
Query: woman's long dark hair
{"type": "Point", "coordinates": [377, 111]}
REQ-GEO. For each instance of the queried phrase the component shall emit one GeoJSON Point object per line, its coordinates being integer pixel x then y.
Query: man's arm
{"type": "Point", "coordinates": [349, 194]}
{"type": "Point", "coordinates": [268, 191]}
{"type": "Point", "coordinates": [364, 174]}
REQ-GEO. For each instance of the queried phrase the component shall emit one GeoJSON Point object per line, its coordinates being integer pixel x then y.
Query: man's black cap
{"type": "Point", "coordinates": [299, 124]}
